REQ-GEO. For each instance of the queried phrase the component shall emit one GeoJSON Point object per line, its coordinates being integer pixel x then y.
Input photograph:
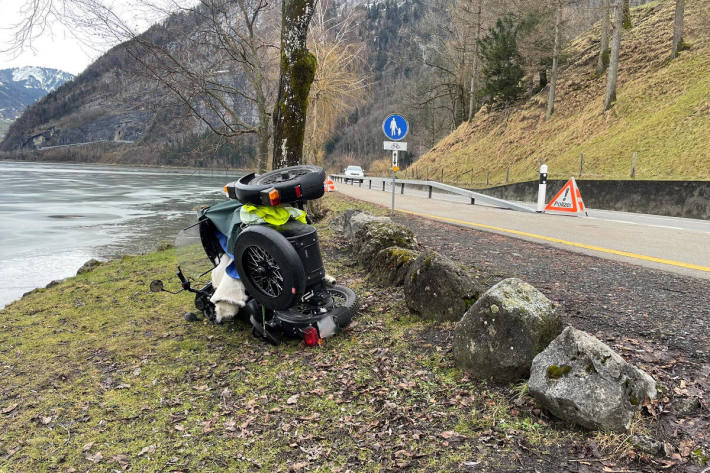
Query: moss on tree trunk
{"type": "Point", "coordinates": [298, 68]}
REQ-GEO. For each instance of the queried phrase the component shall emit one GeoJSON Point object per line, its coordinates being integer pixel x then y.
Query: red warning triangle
{"type": "Point", "coordinates": [568, 199]}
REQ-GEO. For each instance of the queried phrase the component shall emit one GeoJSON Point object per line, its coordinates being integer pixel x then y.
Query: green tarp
{"type": "Point", "coordinates": [225, 216]}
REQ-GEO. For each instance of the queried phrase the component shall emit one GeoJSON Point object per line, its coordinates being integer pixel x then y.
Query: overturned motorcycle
{"type": "Point", "coordinates": [253, 258]}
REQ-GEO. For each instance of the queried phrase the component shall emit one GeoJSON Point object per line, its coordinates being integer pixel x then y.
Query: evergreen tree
{"type": "Point", "coordinates": [501, 62]}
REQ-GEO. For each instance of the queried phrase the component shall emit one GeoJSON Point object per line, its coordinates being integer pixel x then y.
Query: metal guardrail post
{"type": "Point", "coordinates": [430, 189]}
{"type": "Point", "coordinates": [473, 201]}
{"type": "Point", "coordinates": [370, 184]}
{"type": "Point", "coordinates": [383, 185]}
{"type": "Point", "coordinates": [402, 190]}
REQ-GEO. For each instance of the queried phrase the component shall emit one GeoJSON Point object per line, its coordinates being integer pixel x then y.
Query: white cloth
{"type": "Point", "coordinates": [229, 294]}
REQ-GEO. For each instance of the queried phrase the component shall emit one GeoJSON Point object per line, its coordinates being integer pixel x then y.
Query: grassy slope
{"type": "Point", "coordinates": [662, 112]}
{"type": "Point", "coordinates": [101, 370]}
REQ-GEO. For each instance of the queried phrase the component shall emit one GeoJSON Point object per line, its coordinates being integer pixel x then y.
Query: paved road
{"type": "Point", "coordinates": [672, 244]}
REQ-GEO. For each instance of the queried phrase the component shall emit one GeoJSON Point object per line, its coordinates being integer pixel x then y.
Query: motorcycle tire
{"type": "Point", "coordinates": [341, 304]}
{"type": "Point", "coordinates": [269, 267]}
{"type": "Point", "coordinates": [307, 178]}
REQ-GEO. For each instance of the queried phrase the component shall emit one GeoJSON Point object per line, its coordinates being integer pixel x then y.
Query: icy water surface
{"type": "Point", "coordinates": [54, 217]}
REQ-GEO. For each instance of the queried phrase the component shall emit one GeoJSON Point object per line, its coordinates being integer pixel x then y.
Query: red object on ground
{"type": "Point", "coordinates": [311, 337]}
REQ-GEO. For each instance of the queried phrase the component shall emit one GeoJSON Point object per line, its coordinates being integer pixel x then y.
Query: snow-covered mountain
{"type": "Point", "coordinates": [22, 86]}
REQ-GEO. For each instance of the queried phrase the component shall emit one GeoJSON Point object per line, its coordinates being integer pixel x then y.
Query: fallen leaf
{"type": "Point", "coordinates": [46, 420]}
{"type": "Point", "coordinates": [297, 466]}
{"type": "Point", "coordinates": [10, 408]}
{"type": "Point", "coordinates": [202, 387]}
{"type": "Point", "coordinates": [95, 458]}
{"type": "Point", "coordinates": [137, 372]}
{"type": "Point", "coordinates": [87, 446]}
{"type": "Point", "coordinates": [293, 400]}
{"type": "Point", "coordinates": [148, 449]}
{"type": "Point", "coordinates": [180, 427]}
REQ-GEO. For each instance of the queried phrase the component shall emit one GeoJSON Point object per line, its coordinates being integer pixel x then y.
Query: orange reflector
{"type": "Point", "coordinates": [226, 191]}
{"type": "Point", "coordinates": [274, 198]}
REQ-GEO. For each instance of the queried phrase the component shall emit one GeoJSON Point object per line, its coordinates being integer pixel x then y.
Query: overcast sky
{"type": "Point", "coordinates": [59, 48]}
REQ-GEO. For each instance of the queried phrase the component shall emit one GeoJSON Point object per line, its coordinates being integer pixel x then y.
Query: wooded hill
{"type": "Point", "coordinates": [662, 113]}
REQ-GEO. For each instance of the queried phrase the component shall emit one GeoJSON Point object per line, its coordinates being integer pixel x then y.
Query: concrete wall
{"type": "Point", "coordinates": [673, 198]}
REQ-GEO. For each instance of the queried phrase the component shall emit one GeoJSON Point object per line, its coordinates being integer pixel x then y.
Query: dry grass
{"type": "Point", "coordinates": [662, 112]}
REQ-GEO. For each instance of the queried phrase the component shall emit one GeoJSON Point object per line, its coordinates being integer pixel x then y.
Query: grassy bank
{"type": "Point", "coordinates": [98, 374]}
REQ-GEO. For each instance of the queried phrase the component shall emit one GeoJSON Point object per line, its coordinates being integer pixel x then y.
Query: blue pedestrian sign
{"type": "Point", "coordinates": [395, 127]}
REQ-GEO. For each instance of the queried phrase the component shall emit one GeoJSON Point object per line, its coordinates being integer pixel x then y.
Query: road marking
{"type": "Point", "coordinates": [563, 242]}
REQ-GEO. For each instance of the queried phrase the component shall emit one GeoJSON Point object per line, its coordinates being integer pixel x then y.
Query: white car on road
{"type": "Point", "coordinates": [354, 173]}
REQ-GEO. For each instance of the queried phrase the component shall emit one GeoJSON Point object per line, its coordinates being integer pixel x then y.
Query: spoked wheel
{"type": "Point", "coordinates": [269, 267]}
{"type": "Point", "coordinates": [264, 271]}
{"type": "Point", "coordinates": [338, 302]}
{"type": "Point", "coordinates": [303, 182]}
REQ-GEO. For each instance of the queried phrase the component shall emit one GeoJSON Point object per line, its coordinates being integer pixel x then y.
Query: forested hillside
{"type": "Point", "coordinates": [662, 113]}
{"type": "Point", "coordinates": [473, 77]}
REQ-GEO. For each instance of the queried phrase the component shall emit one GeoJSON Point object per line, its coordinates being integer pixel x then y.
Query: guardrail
{"type": "Point", "coordinates": [430, 186]}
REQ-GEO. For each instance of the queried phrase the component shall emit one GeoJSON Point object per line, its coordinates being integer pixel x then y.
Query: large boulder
{"type": "Point", "coordinates": [375, 236]}
{"type": "Point", "coordinates": [581, 380]}
{"type": "Point", "coordinates": [391, 265]}
{"type": "Point", "coordinates": [358, 221]}
{"type": "Point", "coordinates": [498, 337]}
{"type": "Point", "coordinates": [437, 288]}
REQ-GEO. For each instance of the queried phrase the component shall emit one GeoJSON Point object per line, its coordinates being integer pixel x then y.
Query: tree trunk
{"type": "Point", "coordinates": [555, 58]}
{"type": "Point", "coordinates": [298, 68]}
{"type": "Point", "coordinates": [627, 15]}
{"type": "Point", "coordinates": [542, 73]}
{"type": "Point", "coordinates": [472, 105]}
{"type": "Point", "coordinates": [614, 57]}
{"type": "Point", "coordinates": [678, 27]}
{"type": "Point", "coordinates": [604, 47]}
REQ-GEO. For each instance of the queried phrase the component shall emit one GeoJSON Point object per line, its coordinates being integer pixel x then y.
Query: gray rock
{"type": "Point", "coordinates": [358, 221]}
{"type": "Point", "coordinates": [375, 236]}
{"type": "Point", "coordinates": [646, 444]}
{"type": "Point", "coordinates": [340, 221]}
{"type": "Point", "coordinates": [498, 337]}
{"type": "Point", "coordinates": [391, 265]}
{"type": "Point", "coordinates": [581, 380]}
{"type": "Point", "coordinates": [686, 406]}
{"type": "Point", "coordinates": [437, 288]}
{"type": "Point", "coordinates": [89, 266]}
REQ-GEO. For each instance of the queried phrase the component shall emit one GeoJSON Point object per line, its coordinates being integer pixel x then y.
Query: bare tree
{"type": "Point", "coordinates": [555, 60]}
{"type": "Point", "coordinates": [678, 28]}
{"type": "Point", "coordinates": [472, 105]}
{"type": "Point", "coordinates": [230, 43]}
{"type": "Point", "coordinates": [340, 82]}
{"type": "Point", "coordinates": [626, 23]}
{"type": "Point", "coordinates": [610, 97]}
{"type": "Point", "coordinates": [297, 71]}
{"type": "Point", "coordinates": [602, 61]}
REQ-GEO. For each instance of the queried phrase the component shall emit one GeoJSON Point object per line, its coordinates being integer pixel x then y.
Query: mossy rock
{"type": "Point", "coordinates": [437, 288]}
{"type": "Point", "coordinates": [376, 236]}
{"type": "Point", "coordinates": [581, 380]}
{"type": "Point", "coordinates": [501, 333]}
{"type": "Point", "coordinates": [391, 265]}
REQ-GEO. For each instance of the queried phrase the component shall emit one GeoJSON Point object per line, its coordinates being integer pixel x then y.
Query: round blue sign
{"type": "Point", "coordinates": [395, 127]}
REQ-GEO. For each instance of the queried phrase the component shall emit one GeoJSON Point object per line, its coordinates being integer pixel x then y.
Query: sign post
{"type": "Point", "coordinates": [542, 190]}
{"type": "Point", "coordinates": [395, 127]}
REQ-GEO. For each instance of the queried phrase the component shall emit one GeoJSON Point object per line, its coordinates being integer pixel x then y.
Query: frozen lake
{"type": "Point", "coordinates": [54, 217]}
